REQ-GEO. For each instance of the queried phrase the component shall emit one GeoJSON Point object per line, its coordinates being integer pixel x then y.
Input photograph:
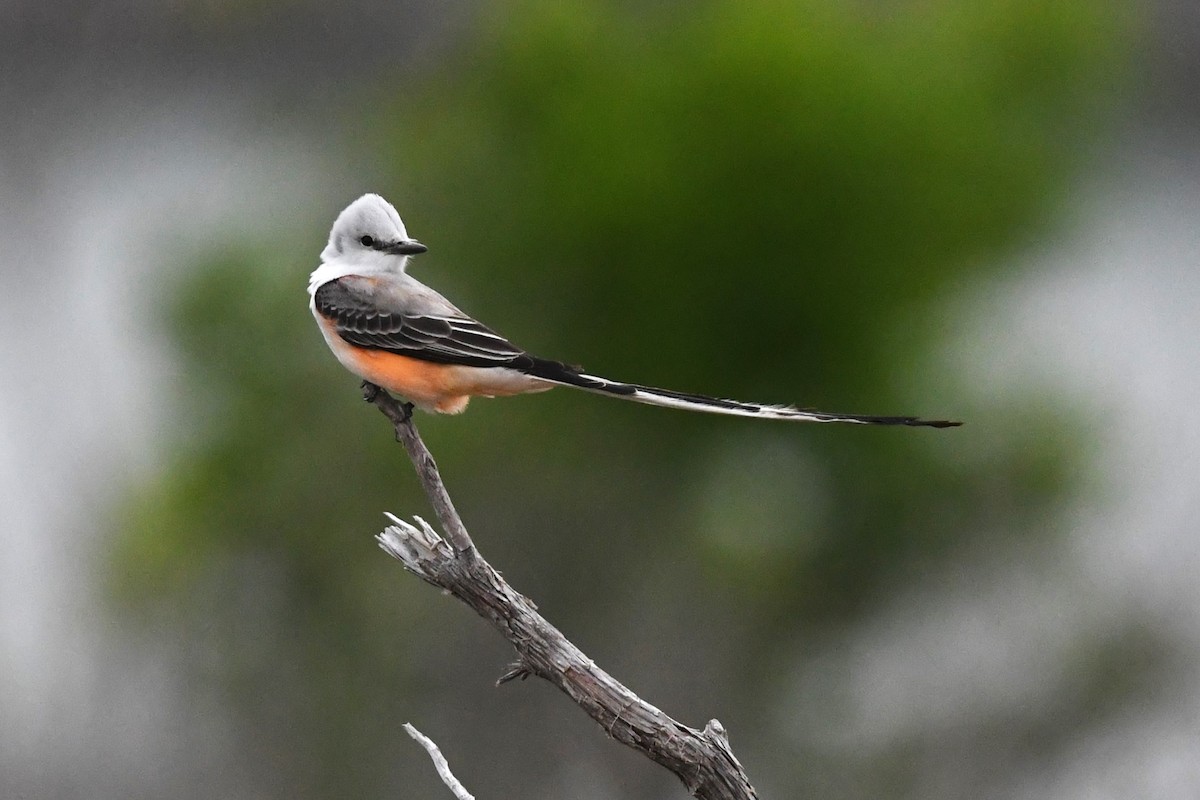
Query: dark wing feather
{"type": "Point", "coordinates": [445, 340]}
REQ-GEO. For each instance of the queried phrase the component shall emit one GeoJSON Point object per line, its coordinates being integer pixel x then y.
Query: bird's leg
{"type": "Point", "coordinates": [370, 391]}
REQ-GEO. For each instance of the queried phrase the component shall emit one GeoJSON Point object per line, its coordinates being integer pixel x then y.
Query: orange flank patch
{"type": "Point", "coordinates": [427, 384]}
{"type": "Point", "coordinates": [445, 388]}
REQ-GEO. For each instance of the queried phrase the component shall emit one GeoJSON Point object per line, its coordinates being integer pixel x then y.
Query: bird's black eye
{"type": "Point", "coordinates": [367, 241]}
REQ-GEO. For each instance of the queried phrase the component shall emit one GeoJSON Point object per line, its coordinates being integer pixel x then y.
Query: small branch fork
{"type": "Point", "coordinates": [702, 759]}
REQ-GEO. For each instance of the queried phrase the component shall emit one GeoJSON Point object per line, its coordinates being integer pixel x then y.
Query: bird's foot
{"type": "Point", "coordinates": [399, 412]}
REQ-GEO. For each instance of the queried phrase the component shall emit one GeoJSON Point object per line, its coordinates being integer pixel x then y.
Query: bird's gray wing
{"type": "Point", "coordinates": [446, 339]}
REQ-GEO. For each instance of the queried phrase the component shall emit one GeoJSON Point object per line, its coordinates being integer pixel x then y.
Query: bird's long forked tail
{"type": "Point", "coordinates": [555, 372]}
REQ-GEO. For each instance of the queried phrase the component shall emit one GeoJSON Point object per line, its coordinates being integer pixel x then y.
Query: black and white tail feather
{"type": "Point", "coordinates": [555, 372]}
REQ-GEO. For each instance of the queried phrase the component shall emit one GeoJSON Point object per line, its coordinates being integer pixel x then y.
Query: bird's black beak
{"type": "Point", "coordinates": [406, 247]}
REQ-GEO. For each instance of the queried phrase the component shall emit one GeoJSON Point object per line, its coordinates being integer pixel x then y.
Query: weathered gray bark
{"type": "Point", "coordinates": [701, 758]}
{"type": "Point", "coordinates": [439, 763]}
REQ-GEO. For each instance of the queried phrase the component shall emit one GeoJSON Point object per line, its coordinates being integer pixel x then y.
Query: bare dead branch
{"type": "Point", "coordinates": [440, 764]}
{"type": "Point", "coordinates": [702, 759]}
{"type": "Point", "coordinates": [400, 415]}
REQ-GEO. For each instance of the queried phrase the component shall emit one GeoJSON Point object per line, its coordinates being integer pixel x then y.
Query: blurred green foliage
{"type": "Point", "coordinates": [764, 199]}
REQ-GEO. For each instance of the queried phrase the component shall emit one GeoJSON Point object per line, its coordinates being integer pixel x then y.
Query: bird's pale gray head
{"type": "Point", "coordinates": [367, 229]}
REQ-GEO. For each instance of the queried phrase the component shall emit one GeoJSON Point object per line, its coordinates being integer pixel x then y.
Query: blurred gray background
{"type": "Point", "coordinates": [985, 211]}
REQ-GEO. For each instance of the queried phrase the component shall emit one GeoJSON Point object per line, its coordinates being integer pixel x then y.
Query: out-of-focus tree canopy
{"type": "Point", "coordinates": [762, 199]}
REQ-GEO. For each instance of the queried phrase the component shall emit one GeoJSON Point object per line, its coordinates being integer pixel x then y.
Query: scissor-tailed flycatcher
{"type": "Point", "coordinates": [390, 329]}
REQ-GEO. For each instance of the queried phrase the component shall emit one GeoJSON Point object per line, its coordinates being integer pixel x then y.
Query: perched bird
{"type": "Point", "coordinates": [395, 332]}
